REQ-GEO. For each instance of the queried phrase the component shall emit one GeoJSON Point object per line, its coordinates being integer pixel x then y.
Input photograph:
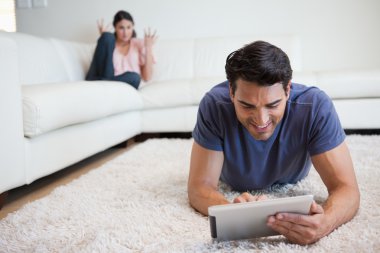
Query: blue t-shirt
{"type": "Point", "coordinates": [310, 126]}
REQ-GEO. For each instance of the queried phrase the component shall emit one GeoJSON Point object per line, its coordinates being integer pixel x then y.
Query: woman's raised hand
{"type": "Point", "coordinates": [150, 37]}
{"type": "Point", "coordinates": [101, 27]}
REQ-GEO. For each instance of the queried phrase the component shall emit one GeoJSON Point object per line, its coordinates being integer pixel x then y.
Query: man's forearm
{"type": "Point", "coordinates": [202, 197]}
{"type": "Point", "coordinates": [341, 206]}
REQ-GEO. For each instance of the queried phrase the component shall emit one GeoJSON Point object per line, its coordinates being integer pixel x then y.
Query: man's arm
{"type": "Point", "coordinates": [336, 170]}
{"type": "Point", "coordinates": [205, 168]}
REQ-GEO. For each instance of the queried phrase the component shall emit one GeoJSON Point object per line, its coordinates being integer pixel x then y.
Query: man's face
{"type": "Point", "coordinates": [259, 108]}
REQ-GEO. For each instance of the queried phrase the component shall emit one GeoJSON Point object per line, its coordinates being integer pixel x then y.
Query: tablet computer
{"type": "Point", "coordinates": [249, 220]}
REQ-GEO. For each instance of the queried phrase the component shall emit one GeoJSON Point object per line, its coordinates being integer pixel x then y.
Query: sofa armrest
{"type": "Point", "coordinates": [12, 173]}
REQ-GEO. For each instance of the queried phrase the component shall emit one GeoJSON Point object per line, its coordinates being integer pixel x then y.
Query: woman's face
{"type": "Point", "coordinates": [124, 30]}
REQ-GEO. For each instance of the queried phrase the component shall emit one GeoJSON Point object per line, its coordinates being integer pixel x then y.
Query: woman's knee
{"type": "Point", "coordinates": [131, 78]}
{"type": "Point", "coordinates": [106, 38]}
{"type": "Point", "coordinates": [134, 77]}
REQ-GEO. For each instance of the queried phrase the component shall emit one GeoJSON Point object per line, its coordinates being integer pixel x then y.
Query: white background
{"type": "Point", "coordinates": [334, 34]}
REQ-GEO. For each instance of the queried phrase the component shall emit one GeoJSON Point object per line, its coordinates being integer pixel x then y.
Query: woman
{"type": "Point", "coordinates": [121, 56]}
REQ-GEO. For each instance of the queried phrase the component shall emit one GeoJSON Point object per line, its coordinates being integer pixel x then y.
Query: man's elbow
{"type": "Point", "coordinates": [191, 196]}
{"type": "Point", "coordinates": [357, 199]}
{"type": "Point", "coordinates": [195, 199]}
{"type": "Point", "coordinates": [354, 205]}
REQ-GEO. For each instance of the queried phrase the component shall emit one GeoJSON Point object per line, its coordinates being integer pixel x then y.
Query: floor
{"type": "Point", "coordinates": [22, 195]}
{"type": "Point", "coordinates": [42, 187]}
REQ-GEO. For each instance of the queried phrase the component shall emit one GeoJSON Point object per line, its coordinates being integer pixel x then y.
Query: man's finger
{"type": "Point", "coordinates": [247, 197]}
{"type": "Point", "coordinates": [244, 197]}
{"type": "Point", "coordinates": [315, 208]}
{"type": "Point", "coordinates": [262, 197]}
{"type": "Point", "coordinates": [239, 199]}
{"type": "Point", "coordinates": [293, 232]}
{"type": "Point", "coordinates": [300, 219]}
{"type": "Point", "coordinates": [292, 236]}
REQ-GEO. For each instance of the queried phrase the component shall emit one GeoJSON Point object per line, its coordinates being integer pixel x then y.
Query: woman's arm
{"type": "Point", "coordinates": [103, 28]}
{"type": "Point", "coordinates": [147, 69]}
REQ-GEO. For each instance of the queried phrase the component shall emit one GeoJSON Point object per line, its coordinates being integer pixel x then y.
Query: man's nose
{"type": "Point", "coordinates": [261, 117]}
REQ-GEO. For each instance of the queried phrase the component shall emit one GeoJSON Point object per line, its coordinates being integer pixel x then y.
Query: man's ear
{"type": "Point", "coordinates": [288, 89]}
{"type": "Point", "coordinates": [231, 93]}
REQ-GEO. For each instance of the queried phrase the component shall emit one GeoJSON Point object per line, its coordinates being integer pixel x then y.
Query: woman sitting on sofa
{"type": "Point", "coordinates": [121, 56]}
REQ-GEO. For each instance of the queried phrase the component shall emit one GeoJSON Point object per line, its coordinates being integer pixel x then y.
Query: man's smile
{"type": "Point", "coordinates": [262, 128]}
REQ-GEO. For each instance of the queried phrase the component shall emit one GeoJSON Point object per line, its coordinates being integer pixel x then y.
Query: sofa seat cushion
{"type": "Point", "coordinates": [203, 85]}
{"type": "Point", "coordinates": [343, 84]}
{"type": "Point", "coordinates": [51, 106]}
{"type": "Point", "coordinates": [350, 84]}
{"type": "Point", "coordinates": [177, 93]}
{"type": "Point", "coordinates": [165, 94]}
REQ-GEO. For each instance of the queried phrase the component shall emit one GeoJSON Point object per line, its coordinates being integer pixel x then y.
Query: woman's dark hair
{"type": "Point", "coordinates": [259, 62]}
{"type": "Point", "coordinates": [119, 16]}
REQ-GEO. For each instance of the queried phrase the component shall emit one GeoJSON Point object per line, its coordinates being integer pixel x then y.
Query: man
{"type": "Point", "coordinates": [259, 129]}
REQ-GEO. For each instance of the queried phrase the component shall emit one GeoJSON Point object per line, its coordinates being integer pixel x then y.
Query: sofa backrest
{"type": "Point", "coordinates": [76, 57]}
{"type": "Point", "coordinates": [44, 60]}
{"type": "Point", "coordinates": [205, 57]}
{"type": "Point", "coordinates": [174, 59]}
{"type": "Point", "coordinates": [211, 53]}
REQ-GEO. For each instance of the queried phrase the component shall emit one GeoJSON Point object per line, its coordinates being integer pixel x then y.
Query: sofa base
{"type": "Point", "coordinates": [145, 136]}
{"type": "Point", "coordinates": [3, 198]}
{"type": "Point", "coordinates": [363, 131]}
{"type": "Point", "coordinates": [358, 113]}
{"type": "Point", "coordinates": [169, 120]}
{"type": "Point", "coordinates": [61, 148]}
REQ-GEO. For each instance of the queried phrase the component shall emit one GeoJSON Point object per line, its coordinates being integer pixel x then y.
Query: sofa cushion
{"type": "Point", "coordinates": [174, 60]}
{"type": "Point", "coordinates": [350, 84]}
{"type": "Point", "coordinates": [174, 93]}
{"type": "Point", "coordinates": [307, 78]}
{"type": "Point", "coordinates": [201, 86]}
{"type": "Point", "coordinates": [76, 57]}
{"type": "Point", "coordinates": [38, 60]}
{"type": "Point", "coordinates": [51, 106]}
{"type": "Point", "coordinates": [211, 53]}
{"type": "Point", "coordinates": [177, 93]}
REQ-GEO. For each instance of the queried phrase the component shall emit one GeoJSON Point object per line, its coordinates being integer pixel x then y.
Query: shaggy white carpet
{"type": "Point", "coordinates": [138, 203]}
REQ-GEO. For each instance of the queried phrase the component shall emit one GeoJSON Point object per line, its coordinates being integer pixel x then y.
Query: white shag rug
{"type": "Point", "coordinates": [138, 203]}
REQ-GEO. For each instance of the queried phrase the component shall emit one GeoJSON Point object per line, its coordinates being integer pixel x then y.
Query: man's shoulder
{"type": "Point", "coordinates": [219, 94]}
{"type": "Point", "coordinates": [307, 95]}
{"type": "Point", "coordinates": [214, 109]}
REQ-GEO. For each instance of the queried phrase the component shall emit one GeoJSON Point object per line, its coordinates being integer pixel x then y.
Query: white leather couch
{"type": "Point", "coordinates": [52, 118]}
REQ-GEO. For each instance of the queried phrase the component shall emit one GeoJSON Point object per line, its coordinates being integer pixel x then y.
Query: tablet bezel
{"type": "Point", "coordinates": [249, 220]}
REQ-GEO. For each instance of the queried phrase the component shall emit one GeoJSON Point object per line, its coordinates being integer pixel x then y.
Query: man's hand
{"type": "Point", "coordinates": [301, 229]}
{"type": "Point", "coordinates": [247, 197]}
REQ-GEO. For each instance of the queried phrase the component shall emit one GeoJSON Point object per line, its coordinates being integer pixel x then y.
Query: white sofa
{"type": "Point", "coordinates": [52, 118]}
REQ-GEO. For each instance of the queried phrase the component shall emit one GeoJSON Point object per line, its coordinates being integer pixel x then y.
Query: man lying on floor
{"type": "Point", "coordinates": [258, 129]}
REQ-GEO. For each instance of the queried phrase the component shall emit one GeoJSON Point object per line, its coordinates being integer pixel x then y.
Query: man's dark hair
{"type": "Point", "coordinates": [119, 16]}
{"type": "Point", "coordinates": [259, 62]}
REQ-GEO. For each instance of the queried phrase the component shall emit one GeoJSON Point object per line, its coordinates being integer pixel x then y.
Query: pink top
{"type": "Point", "coordinates": [132, 61]}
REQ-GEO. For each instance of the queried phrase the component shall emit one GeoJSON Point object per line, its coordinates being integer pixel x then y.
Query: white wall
{"type": "Point", "coordinates": [335, 34]}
